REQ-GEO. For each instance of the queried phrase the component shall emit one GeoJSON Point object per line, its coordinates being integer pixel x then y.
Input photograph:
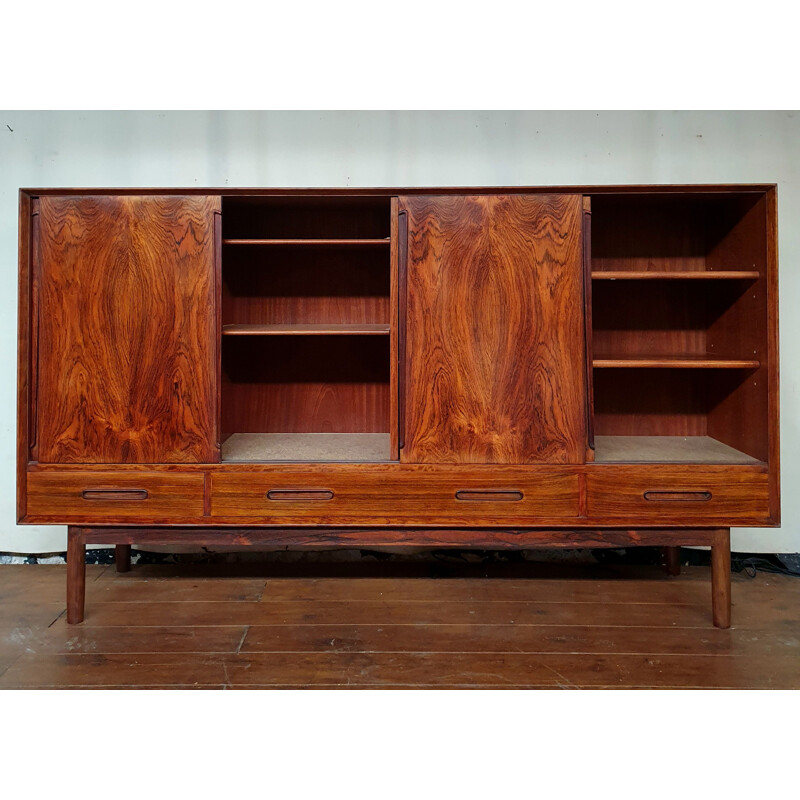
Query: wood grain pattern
{"type": "Point", "coordinates": [773, 358]}
{"type": "Point", "coordinates": [672, 362]}
{"type": "Point", "coordinates": [495, 335]}
{"type": "Point", "coordinates": [741, 418]}
{"type": "Point", "coordinates": [721, 577]}
{"type": "Point", "coordinates": [641, 318]}
{"type": "Point", "coordinates": [321, 538]}
{"type": "Point", "coordinates": [660, 402]}
{"type": "Point", "coordinates": [127, 342]}
{"type": "Point", "coordinates": [588, 345]}
{"type": "Point", "coordinates": [740, 495]}
{"type": "Point", "coordinates": [737, 495]}
{"type": "Point", "coordinates": [60, 496]}
{"type": "Point", "coordinates": [594, 626]}
{"type": "Point", "coordinates": [306, 243]}
{"type": "Point", "coordinates": [731, 230]}
{"type": "Point", "coordinates": [306, 384]}
{"type": "Point", "coordinates": [378, 499]}
{"type": "Point", "coordinates": [285, 285]}
{"type": "Point", "coordinates": [627, 274]}
{"type": "Point", "coordinates": [218, 374]}
{"type": "Point", "coordinates": [394, 409]}
{"type": "Point", "coordinates": [25, 374]}
{"type": "Point", "coordinates": [76, 575]}
{"type": "Point", "coordinates": [307, 329]}
{"type": "Point", "coordinates": [693, 293]}
{"type": "Point", "coordinates": [659, 232]}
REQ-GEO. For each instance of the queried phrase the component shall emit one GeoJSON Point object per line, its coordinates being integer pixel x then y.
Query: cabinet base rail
{"type": "Point", "coordinates": [718, 539]}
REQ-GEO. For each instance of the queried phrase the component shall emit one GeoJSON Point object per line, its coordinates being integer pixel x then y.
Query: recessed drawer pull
{"type": "Point", "coordinates": [299, 494]}
{"type": "Point", "coordinates": [692, 496]}
{"type": "Point", "coordinates": [488, 495]}
{"type": "Point", "coordinates": [114, 494]}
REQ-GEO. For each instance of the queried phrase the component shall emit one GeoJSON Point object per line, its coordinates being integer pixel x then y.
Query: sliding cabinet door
{"type": "Point", "coordinates": [126, 329]}
{"type": "Point", "coordinates": [494, 356]}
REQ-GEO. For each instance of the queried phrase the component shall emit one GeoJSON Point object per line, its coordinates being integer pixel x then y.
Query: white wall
{"type": "Point", "coordinates": [79, 149]}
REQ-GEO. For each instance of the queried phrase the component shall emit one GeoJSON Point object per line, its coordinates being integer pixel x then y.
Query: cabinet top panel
{"type": "Point", "coordinates": [413, 190]}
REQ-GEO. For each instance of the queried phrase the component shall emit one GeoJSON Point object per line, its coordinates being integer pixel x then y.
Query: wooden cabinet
{"type": "Point", "coordinates": [510, 367]}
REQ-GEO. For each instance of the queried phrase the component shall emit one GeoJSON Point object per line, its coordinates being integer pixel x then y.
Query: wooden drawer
{"type": "Point", "coordinates": [407, 497]}
{"type": "Point", "coordinates": [110, 497]}
{"type": "Point", "coordinates": [652, 495]}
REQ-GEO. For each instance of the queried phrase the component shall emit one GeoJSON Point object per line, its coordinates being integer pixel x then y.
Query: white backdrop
{"type": "Point", "coordinates": [79, 149]}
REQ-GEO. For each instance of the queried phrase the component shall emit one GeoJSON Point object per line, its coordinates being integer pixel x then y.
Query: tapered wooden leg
{"type": "Point", "coordinates": [672, 560]}
{"type": "Point", "coordinates": [721, 577]}
{"type": "Point", "coordinates": [122, 557]}
{"type": "Point", "coordinates": [76, 574]}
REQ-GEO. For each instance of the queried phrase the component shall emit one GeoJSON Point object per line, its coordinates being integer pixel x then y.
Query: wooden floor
{"type": "Point", "coordinates": [237, 626]}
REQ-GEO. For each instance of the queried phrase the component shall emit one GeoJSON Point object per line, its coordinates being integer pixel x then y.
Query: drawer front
{"type": "Point", "coordinates": [415, 498]}
{"type": "Point", "coordinates": [654, 495]}
{"type": "Point", "coordinates": [109, 497]}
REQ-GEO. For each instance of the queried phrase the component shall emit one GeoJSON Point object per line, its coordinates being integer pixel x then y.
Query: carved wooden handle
{"type": "Point", "coordinates": [493, 495]}
{"type": "Point", "coordinates": [114, 494]}
{"type": "Point", "coordinates": [669, 496]}
{"type": "Point", "coordinates": [299, 494]}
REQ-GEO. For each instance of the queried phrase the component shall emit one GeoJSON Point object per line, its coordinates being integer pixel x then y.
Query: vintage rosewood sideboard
{"type": "Point", "coordinates": [464, 367]}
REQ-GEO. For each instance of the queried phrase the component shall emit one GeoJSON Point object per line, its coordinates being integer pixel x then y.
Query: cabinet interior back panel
{"type": "Point", "coordinates": [305, 384]}
{"type": "Point", "coordinates": [286, 285]}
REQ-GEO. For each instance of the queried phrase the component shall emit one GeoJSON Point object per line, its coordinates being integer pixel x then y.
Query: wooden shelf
{"type": "Point", "coordinates": [308, 242]}
{"type": "Point", "coordinates": [667, 449]}
{"type": "Point", "coordinates": [672, 362]}
{"type": "Point", "coordinates": [306, 329]}
{"type": "Point", "coordinates": [358, 447]}
{"type": "Point", "coordinates": [617, 275]}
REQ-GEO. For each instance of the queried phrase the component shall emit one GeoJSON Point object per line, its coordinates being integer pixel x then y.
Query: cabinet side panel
{"type": "Point", "coordinates": [773, 356]}
{"type": "Point", "coordinates": [495, 340]}
{"type": "Point", "coordinates": [740, 330]}
{"type": "Point", "coordinates": [23, 351]}
{"type": "Point", "coordinates": [127, 334]}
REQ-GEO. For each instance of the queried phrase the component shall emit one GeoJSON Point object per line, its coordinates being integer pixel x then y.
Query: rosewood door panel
{"type": "Point", "coordinates": [494, 330]}
{"type": "Point", "coordinates": [127, 330]}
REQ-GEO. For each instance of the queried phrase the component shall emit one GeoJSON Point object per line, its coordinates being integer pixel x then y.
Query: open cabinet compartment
{"type": "Point", "coordinates": [282, 217]}
{"type": "Point", "coordinates": [307, 329]}
{"type": "Point", "coordinates": [679, 339]}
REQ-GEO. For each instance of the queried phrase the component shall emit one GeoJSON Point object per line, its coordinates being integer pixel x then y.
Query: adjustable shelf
{"type": "Point", "coordinates": [306, 329]}
{"type": "Point", "coordinates": [672, 362]}
{"type": "Point", "coordinates": [639, 275]}
{"type": "Point", "coordinates": [307, 242]}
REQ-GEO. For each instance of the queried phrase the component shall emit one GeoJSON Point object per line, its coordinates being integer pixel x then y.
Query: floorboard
{"type": "Point", "coordinates": [240, 626]}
